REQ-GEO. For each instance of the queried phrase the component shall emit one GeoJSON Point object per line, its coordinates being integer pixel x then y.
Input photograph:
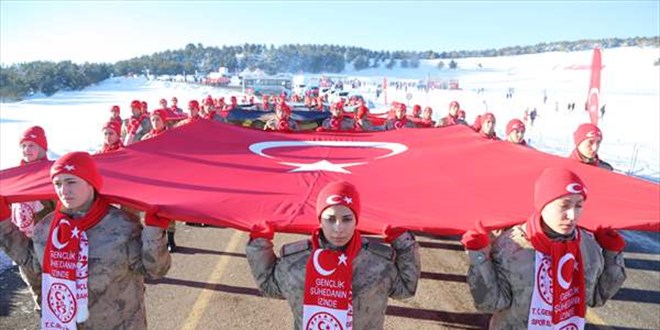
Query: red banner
{"type": "Point", "coordinates": [438, 181]}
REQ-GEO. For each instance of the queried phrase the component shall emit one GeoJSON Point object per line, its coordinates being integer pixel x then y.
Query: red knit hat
{"type": "Point", "coordinates": [514, 124]}
{"type": "Point", "coordinates": [454, 104]}
{"type": "Point", "coordinates": [554, 183]}
{"type": "Point", "coordinates": [160, 113]}
{"type": "Point", "coordinates": [114, 109]}
{"type": "Point", "coordinates": [338, 193]}
{"type": "Point", "coordinates": [193, 104]}
{"type": "Point", "coordinates": [80, 164]}
{"type": "Point", "coordinates": [586, 131]}
{"type": "Point", "coordinates": [417, 109]}
{"type": "Point", "coordinates": [487, 116]}
{"type": "Point", "coordinates": [37, 135]}
{"type": "Point", "coordinates": [113, 125]}
{"type": "Point", "coordinates": [136, 104]}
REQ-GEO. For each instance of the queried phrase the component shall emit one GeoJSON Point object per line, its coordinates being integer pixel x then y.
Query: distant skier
{"type": "Point", "coordinates": [532, 116]}
{"type": "Point", "coordinates": [602, 111]}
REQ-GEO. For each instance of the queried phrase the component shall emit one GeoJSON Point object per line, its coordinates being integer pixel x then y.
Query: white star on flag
{"type": "Point", "coordinates": [343, 259]}
{"type": "Point", "coordinates": [75, 232]}
{"type": "Point", "coordinates": [348, 200]}
{"type": "Point", "coordinates": [69, 167]}
{"type": "Point", "coordinates": [322, 165]}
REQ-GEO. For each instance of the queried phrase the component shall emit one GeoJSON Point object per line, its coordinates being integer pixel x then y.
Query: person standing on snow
{"type": "Point", "coordinates": [515, 132]}
{"type": "Point", "coordinates": [26, 215]}
{"type": "Point", "coordinates": [487, 126]}
{"type": "Point", "coordinates": [426, 121]}
{"type": "Point", "coordinates": [542, 274]}
{"type": "Point", "coordinates": [338, 121]}
{"type": "Point", "coordinates": [362, 122]}
{"type": "Point", "coordinates": [461, 117]}
{"type": "Point", "coordinates": [111, 137]}
{"type": "Point", "coordinates": [175, 107]}
{"type": "Point", "coordinates": [400, 119]}
{"type": "Point", "coordinates": [336, 253]}
{"type": "Point", "coordinates": [282, 121]}
{"type": "Point", "coordinates": [193, 114]}
{"type": "Point", "coordinates": [136, 126]}
{"type": "Point", "coordinates": [115, 114]}
{"type": "Point", "coordinates": [452, 117]}
{"type": "Point", "coordinates": [587, 140]}
{"type": "Point", "coordinates": [92, 256]}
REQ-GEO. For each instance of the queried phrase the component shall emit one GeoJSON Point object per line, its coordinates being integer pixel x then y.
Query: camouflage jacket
{"type": "Point", "coordinates": [121, 254]}
{"type": "Point", "coordinates": [271, 125]}
{"type": "Point", "coordinates": [378, 273]}
{"type": "Point", "coordinates": [389, 125]}
{"type": "Point", "coordinates": [144, 128]}
{"type": "Point", "coordinates": [347, 124]}
{"type": "Point", "coordinates": [502, 282]}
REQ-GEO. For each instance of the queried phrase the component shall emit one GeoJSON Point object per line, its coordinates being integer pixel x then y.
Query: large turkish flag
{"type": "Point", "coordinates": [439, 181]}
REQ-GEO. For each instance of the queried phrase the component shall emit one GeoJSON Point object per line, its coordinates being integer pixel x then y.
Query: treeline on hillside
{"type": "Point", "coordinates": [19, 80]}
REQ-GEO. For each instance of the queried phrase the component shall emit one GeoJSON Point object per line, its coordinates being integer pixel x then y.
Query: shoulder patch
{"type": "Point", "coordinates": [381, 250]}
{"type": "Point", "coordinates": [295, 247]}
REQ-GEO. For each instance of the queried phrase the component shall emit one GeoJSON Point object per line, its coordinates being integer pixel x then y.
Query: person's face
{"type": "Point", "coordinates": [163, 103]}
{"type": "Point", "coordinates": [193, 111]}
{"type": "Point", "coordinates": [174, 102]}
{"type": "Point", "coordinates": [562, 214]}
{"type": "Point", "coordinates": [589, 147]}
{"type": "Point", "coordinates": [136, 111]}
{"type": "Point", "coordinates": [338, 224]}
{"type": "Point", "coordinates": [517, 136]}
{"type": "Point", "coordinates": [336, 111]}
{"type": "Point", "coordinates": [157, 123]}
{"type": "Point", "coordinates": [400, 113]}
{"type": "Point", "coordinates": [453, 110]}
{"type": "Point", "coordinates": [31, 151]}
{"type": "Point", "coordinates": [281, 114]}
{"type": "Point", "coordinates": [427, 114]}
{"type": "Point", "coordinates": [110, 136]}
{"type": "Point", "coordinates": [73, 191]}
{"type": "Point", "coordinates": [488, 126]}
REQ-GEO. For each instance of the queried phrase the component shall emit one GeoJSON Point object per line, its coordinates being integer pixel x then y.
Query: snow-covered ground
{"type": "Point", "coordinates": [630, 89]}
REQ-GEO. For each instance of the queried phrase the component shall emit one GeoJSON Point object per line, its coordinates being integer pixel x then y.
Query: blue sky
{"type": "Point", "coordinates": [108, 31]}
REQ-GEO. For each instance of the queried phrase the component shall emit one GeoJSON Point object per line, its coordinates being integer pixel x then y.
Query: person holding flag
{"type": "Point", "coordinates": [543, 273]}
{"type": "Point", "coordinates": [400, 119]}
{"type": "Point", "coordinates": [452, 117]}
{"type": "Point", "coordinates": [92, 256]}
{"type": "Point", "coordinates": [282, 121]}
{"type": "Point", "coordinates": [515, 132]}
{"type": "Point", "coordinates": [338, 120]}
{"type": "Point", "coordinates": [587, 138]}
{"type": "Point", "coordinates": [337, 277]}
{"type": "Point", "coordinates": [111, 137]}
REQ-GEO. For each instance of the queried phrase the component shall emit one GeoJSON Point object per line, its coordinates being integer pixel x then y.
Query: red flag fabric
{"type": "Point", "coordinates": [439, 181]}
{"type": "Point", "coordinates": [594, 87]}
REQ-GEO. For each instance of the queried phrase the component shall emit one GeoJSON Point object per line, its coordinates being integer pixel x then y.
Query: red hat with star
{"type": "Point", "coordinates": [556, 182]}
{"type": "Point", "coordinates": [338, 193]}
{"type": "Point", "coordinates": [37, 135]}
{"type": "Point", "coordinates": [80, 164]}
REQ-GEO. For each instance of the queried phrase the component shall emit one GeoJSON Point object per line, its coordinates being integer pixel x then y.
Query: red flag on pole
{"type": "Point", "coordinates": [594, 87]}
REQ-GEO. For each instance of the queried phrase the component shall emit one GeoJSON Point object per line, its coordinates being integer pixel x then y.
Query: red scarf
{"type": "Point", "coordinates": [210, 114]}
{"type": "Point", "coordinates": [449, 120]}
{"type": "Point", "coordinates": [134, 124]}
{"type": "Point", "coordinates": [111, 147]}
{"type": "Point", "coordinates": [565, 274]}
{"type": "Point", "coordinates": [328, 285]}
{"type": "Point", "coordinates": [65, 267]}
{"type": "Point", "coordinates": [23, 214]}
{"type": "Point", "coordinates": [283, 125]}
{"type": "Point", "coordinates": [426, 123]}
{"type": "Point", "coordinates": [155, 132]}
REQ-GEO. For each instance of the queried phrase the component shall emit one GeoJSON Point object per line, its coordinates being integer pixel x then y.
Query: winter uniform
{"type": "Point", "coordinates": [121, 253]}
{"type": "Point", "coordinates": [342, 123]}
{"type": "Point", "coordinates": [135, 127]}
{"type": "Point", "coordinates": [274, 124]}
{"type": "Point", "coordinates": [505, 278]}
{"type": "Point", "coordinates": [398, 124]}
{"type": "Point", "coordinates": [377, 272]}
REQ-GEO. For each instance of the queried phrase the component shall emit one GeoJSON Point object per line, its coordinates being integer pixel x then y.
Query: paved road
{"type": "Point", "coordinates": [210, 287]}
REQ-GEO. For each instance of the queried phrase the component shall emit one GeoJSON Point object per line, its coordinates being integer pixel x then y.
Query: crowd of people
{"type": "Point", "coordinates": [87, 259]}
